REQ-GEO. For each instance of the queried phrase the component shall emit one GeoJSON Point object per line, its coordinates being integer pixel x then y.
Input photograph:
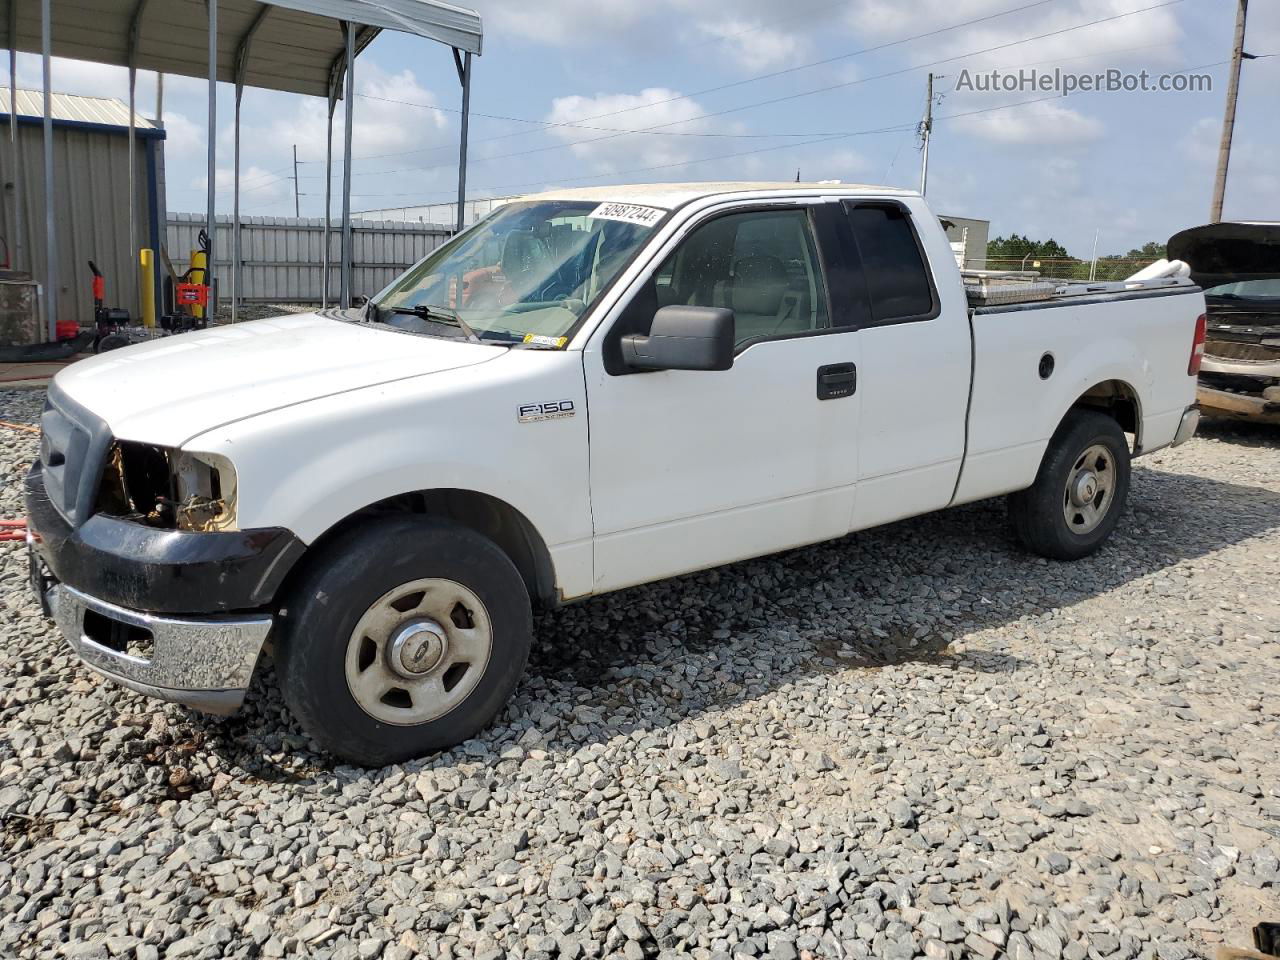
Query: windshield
{"type": "Point", "coordinates": [1247, 290]}
{"type": "Point", "coordinates": [526, 273]}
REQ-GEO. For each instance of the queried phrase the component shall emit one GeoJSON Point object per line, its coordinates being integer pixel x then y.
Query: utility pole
{"type": "Point", "coordinates": [926, 128]}
{"type": "Point", "coordinates": [297, 208]}
{"type": "Point", "coordinates": [1229, 117]}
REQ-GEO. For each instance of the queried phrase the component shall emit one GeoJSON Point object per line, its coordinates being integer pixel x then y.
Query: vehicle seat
{"type": "Point", "coordinates": [526, 261]}
{"type": "Point", "coordinates": [760, 297]}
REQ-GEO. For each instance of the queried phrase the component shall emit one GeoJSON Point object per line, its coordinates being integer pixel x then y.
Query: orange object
{"type": "Point", "coordinates": [192, 295]}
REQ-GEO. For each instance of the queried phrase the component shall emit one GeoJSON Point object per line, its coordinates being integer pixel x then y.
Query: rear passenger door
{"type": "Point", "coordinates": [916, 361]}
{"type": "Point", "coordinates": [691, 469]}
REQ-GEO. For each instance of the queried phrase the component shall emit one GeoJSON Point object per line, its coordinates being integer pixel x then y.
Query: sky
{"type": "Point", "coordinates": [614, 91]}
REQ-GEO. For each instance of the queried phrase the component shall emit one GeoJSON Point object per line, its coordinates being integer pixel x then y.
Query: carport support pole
{"type": "Point", "coordinates": [133, 202]}
{"type": "Point", "coordinates": [18, 241]}
{"type": "Point", "coordinates": [344, 299]}
{"type": "Point", "coordinates": [50, 235]}
{"type": "Point", "coordinates": [213, 149]}
{"type": "Point", "coordinates": [464, 72]}
{"type": "Point", "coordinates": [328, 202]}
{"type": "Point", "coordinates": [235, 211]}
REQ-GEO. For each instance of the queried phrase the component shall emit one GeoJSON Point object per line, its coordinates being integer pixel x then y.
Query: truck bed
{"type": "Point", "coordinates": [1033, 361]}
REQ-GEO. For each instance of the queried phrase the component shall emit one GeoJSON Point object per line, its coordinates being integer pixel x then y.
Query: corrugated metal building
{"type": "Point", "coordinates": [91, 195]}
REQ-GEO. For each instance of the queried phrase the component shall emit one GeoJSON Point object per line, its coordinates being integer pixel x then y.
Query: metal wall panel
{"type": "Point", "coordinates": [283, 256]}
{"type": "Point", "coordinates": [91, 207]}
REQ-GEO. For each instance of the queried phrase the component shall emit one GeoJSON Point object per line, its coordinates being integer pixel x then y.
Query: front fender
{"type": "Point", "coordinates": [312, 465]}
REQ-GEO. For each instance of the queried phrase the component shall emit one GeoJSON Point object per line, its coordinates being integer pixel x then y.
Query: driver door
{"type": "Point", "coordinates": [691, 469]}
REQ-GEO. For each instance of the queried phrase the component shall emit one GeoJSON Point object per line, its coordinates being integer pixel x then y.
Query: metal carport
{"type": "Point", "coordinates": [298, 46]}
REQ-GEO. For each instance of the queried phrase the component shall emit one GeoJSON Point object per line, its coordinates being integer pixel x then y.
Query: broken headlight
{"type": "Point", "coordinates": [171, 489]}
{"type": "Point", "coordinates": [206, 491]}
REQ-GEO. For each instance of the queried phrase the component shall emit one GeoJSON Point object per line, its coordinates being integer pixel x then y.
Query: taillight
{"type": "Point", "coordinates": [1197, 348]}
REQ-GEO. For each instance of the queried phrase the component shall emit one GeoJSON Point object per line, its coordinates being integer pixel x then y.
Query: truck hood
{"type": "Point", "coordinates": [171, 389]}
{"type": "Point", "coordinates": [1221, 253]}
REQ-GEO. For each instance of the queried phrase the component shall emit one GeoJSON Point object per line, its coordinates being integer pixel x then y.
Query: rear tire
{"type": "Point", "coordinates": [405, 636]}
{"type": "Point", "coordinates": [1079, 492]}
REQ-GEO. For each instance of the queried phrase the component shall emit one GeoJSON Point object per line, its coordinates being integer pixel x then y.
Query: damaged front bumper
{"type": "Point", "coordinates": [172, 614]}
{"type": "Point", "coordinates": [205, 663]}
{"type": "Point", "coordinates": [1240, 380]}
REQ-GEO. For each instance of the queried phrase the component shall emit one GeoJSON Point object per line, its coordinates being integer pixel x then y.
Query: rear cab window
{"type": "Point", "coordinates": [899, 284]}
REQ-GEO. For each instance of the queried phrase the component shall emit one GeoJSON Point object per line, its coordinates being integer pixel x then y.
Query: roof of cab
{"type": "Point", "coordinates": [671, 195]}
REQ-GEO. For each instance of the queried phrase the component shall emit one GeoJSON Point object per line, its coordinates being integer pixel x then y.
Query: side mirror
{"type": "Point", "coordinates": [683, 338]}
{"type": "Point", "coordinates": [359, 301]}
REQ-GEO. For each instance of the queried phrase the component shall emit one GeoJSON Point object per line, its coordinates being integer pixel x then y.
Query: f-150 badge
{"type": "Point", "coordinates": [554, 410]}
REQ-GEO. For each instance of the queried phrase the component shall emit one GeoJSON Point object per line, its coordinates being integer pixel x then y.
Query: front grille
{"type": "Point", "coordinates": [73, 445]}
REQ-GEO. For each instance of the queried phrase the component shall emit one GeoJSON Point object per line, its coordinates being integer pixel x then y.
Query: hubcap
{"type": "Point", "coordinates": [1090, 485]}
{"type": "Point", "coordinates": [418, 651]}
{"type": "Point", "coordinates": [417, 648]}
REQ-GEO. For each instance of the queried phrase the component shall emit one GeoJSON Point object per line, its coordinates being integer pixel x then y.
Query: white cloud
{"type": "Point", "coordinates": [846, 165]}
{"type": "Point", "coordinates": [652, 107]}
{"type": "Point", "coordinates": [182, 136]}
{"type": "Point", "coordinates": [384, 120]}
{"type": "Point", "coordinates": [752, 46]}
{"type": "Point", "coordinates": [1253, 188]}
{"type": "Point", "coordinates": [564, 22]}
{"type": "Point", "coordinates": [1040, 124]}
{"type": "Point", "coordinates": [1156, 31]}
{"type": "Point", "coordinates": [746, 35]}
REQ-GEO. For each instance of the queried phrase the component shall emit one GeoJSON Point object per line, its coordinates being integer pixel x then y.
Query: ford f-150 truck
{"type": "Point", "coordinates": [587, 390]}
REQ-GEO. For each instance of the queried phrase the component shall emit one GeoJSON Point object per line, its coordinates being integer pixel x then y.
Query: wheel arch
{"type": "Point", "coordinates": [1118, 399]}
{"type": "Point", "coordinates": [483, 513]}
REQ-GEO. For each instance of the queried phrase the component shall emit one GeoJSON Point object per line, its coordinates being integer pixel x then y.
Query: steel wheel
{"type": "Point", "coordinates": [418, 651]}
{"type": "Point", "coordinates": [1090, 487]}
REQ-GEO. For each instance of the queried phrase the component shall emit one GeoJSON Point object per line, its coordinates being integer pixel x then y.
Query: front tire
{"type": "Point", "coordinates": [1080, 491]}
{"type": "Point", "coordinates": [406, 635]}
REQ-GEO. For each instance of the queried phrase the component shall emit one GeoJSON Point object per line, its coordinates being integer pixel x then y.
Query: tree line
{"type": "Point", "coordinates": [1051, 259]}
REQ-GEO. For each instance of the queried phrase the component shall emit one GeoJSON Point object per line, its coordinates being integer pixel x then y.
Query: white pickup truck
{"type": "Point", "coordinates": [589, 389]}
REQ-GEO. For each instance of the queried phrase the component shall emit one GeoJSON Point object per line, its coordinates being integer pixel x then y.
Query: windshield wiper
{"type": "Point", "coordinates": [440, 315]}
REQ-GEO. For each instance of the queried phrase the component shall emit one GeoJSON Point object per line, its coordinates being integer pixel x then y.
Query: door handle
{"type": "Point", "coordinates": [836, 380]}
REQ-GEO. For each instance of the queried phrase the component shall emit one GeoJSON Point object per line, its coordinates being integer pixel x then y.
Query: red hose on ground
{"type": "Point", "coordinates": [13, 529]}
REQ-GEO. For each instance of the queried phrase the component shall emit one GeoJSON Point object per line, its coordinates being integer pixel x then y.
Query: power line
{"type": "Point", "coordinates": [905, 127]}
{"type": "Point", "coordinates": [794, 96]}
{"type": "Point", "coordinates": [696, 93]}
{"type": "Point", "coordinates": [702, 134]}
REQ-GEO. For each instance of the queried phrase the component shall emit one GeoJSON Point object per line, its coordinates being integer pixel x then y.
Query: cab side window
{"type": "Point", "coordinates": [898, 283]}
{"type": "Point", "coordinates": [763, 265]}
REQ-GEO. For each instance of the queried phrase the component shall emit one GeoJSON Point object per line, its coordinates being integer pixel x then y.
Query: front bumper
{"type": "Point", "coordinates": [205, 663]}
{"type": "Point", "coordinates": [1241, 379]}
{"type": "Point", "coordinates": [171, 614]}
{"type": "Point", "coordinates": [1240, 406]}
{"type": "Point", "coordinates": [161, 571]}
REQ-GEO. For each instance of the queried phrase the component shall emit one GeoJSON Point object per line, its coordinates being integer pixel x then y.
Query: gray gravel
{"type": "Point", "coordinates": [916, 741]}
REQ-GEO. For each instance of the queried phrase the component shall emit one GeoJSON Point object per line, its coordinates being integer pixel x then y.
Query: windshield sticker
{"type": "Point", "coordinates": [628, 213]}
{"type": "Point", "coordinates": [541, 341]}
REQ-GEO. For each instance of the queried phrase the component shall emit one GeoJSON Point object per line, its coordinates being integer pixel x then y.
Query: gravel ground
{"type": "Point", "coordinates": [914, 741]}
